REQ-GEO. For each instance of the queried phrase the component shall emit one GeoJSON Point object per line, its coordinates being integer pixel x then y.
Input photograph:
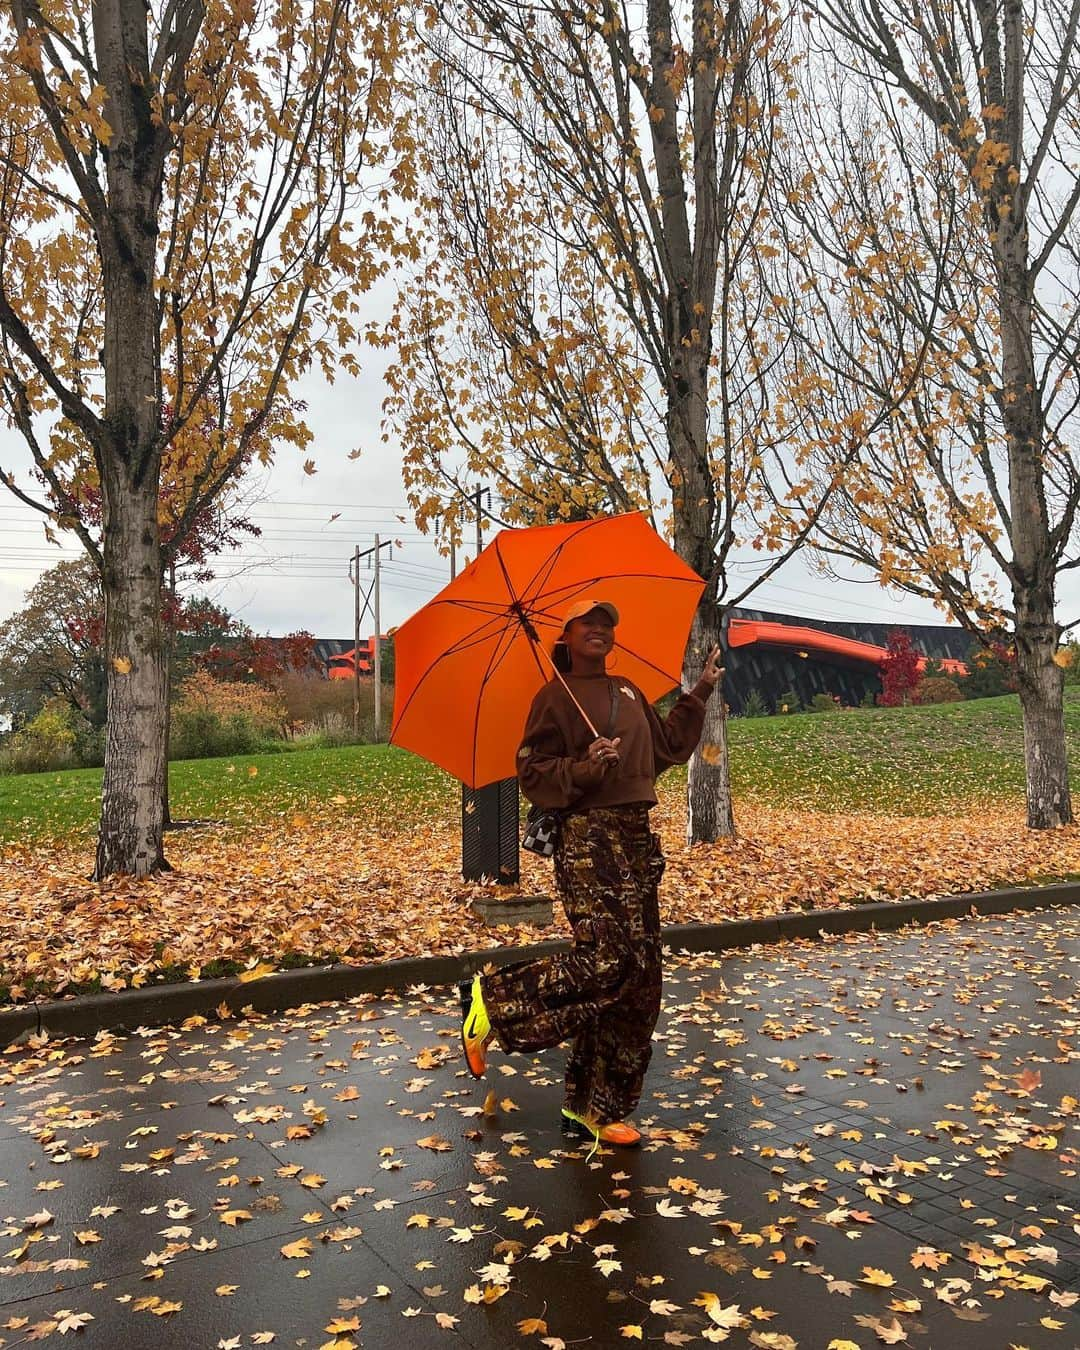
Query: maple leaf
{"type": "Point", "coordinates": [264, 968]}
{"type": "Point", "coordinates": [298, 1250]}
{"type": "Point", "coordinates": [927, 1258]}
{"type": "Point", "coordinates": [881, 1278]}
{"type": "Point", "coordinates": [666, 1209]}
{"type": "Point", "coordinates": [339, 1326]}
{"type": "Point", "coordinates": [532, 1326]}
{"type": "Point", "coordinates": [233, 1217]}
{"type": "Point", "coordinates": [728, 1318]}
{"type": "Point", "coordinates": [436, 1143]}
{"type": "Point", "coordinates": [71, 1321]}
{"type": "Point", "coordinates": [632, 1332]}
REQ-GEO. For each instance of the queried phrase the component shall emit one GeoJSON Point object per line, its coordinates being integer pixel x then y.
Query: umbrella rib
{"type": "Point", "coordinates": [473, 639]}
{"type": "Point", "coordinates": [565, 592]}
{"type": "Point", "coordinates": [496, 659]}
{"type": "Point", "coordinates": [644, 660]}
{"type": "Point", "coordinates": [550, 561]}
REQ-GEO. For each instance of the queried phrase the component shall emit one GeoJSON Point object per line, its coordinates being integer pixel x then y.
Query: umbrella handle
{"type": "Point", "coordinates": [577, 705]}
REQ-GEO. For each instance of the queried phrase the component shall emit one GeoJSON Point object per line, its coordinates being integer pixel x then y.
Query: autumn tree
{"type": "Point", "coordinates": [935, 206]}
{"type": "Point", "coordinates": [581, 332]}
{"type": "Point", "coordinates": [51, 648]}
{"type": "Point", "coordinates": [193, 193]}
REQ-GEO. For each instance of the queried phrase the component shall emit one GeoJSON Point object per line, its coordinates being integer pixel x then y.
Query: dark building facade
{"type": "Point", "coordinates": [774, 670]}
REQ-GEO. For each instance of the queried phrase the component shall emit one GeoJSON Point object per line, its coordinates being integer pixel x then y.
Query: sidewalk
{"type": "Point", "coordinates": [866, 1140]}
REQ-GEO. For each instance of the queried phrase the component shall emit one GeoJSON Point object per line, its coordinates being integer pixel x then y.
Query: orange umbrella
{"type": "Point", "coordinates": [467, 665]}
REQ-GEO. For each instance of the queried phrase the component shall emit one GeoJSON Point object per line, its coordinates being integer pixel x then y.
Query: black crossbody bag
{"type": "Point", "coordinates": [542, 824]}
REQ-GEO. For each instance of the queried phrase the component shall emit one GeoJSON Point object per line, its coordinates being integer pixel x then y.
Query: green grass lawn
{"type": "Point", "coordinates": [912, 761]}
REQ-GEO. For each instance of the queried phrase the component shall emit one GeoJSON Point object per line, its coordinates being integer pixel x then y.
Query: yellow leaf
{"type": "Point", "coordinates": [232, 1217]}
{"type": "Point", "coordinates": [122, 665]}
{"type": "Point", "coordinates": [881, 1278]}
{"type": "Point", "coordinates": [256, 972]}
{"type": "Point", "coordinates": [632, 1332]}
{"type": "Point", "coordinates": [298, 1250]}
{"type": "Point", "coordinates": [532, 1326]}
{"type": "Point", "coordinates": [340, 1325]}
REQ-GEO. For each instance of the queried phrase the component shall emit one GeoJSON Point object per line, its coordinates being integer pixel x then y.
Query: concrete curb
{"type": "Point", "coordinates": [162, 1004]}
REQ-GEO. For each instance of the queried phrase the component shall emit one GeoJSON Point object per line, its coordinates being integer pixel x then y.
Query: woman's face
{"type": "Point", "coordinates": [592, 636]}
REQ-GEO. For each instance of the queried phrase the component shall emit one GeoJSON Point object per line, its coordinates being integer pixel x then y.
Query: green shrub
{"type": "Point", "coordinates": [824, 703]}
{"type": "Point", "coordinates": [789, 702]}
{"type": "Point", "coordinates": [224, 717]}
{"type": "Point", "coordinates": [755, 705]}
{"type": "Point", "coordinates": [937, 689]}
{"type": "Point", "coordinates": [48, 741]}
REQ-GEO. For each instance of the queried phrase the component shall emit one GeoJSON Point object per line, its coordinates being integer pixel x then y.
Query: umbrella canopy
{"type": "Point", "coordinates": [466, 666]}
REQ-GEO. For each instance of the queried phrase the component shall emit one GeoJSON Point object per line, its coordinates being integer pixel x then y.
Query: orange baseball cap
{"type": "Point", "coordinates": [583, 607]}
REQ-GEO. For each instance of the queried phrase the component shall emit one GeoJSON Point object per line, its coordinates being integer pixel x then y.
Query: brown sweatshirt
{"type": "Point", "coordinates": [553, 765]}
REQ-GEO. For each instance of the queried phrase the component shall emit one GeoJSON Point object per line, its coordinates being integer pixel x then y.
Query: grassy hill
{"type": "Point", "coordinates": [912, 761]}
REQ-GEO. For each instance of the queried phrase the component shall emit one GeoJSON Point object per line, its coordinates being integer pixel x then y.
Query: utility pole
{"type": "Point", "coordinates": [489, 815]}
{"type": "Point", "coordinates": [476, 498]}
{"type": "Point", "coordinates": [356, 644]}
{"type": "Point", "coordinates": [354, 571]}
{"type": "Point", "coordinates": [378, 647]}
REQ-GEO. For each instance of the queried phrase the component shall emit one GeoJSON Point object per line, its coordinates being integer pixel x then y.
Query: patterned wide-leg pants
{"type": "Point", "coordinates": [604, 993]}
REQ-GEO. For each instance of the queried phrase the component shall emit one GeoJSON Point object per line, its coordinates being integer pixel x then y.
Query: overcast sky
{"type": "Point", "coordinates": [296, 575]}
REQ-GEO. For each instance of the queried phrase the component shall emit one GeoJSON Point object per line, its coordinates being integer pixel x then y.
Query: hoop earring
{"type": "Point", "coordinates": [612, 661]}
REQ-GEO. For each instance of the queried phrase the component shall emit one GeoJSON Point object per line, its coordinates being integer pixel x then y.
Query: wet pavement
{"type": "Point", "coordinates": [867, 1140]}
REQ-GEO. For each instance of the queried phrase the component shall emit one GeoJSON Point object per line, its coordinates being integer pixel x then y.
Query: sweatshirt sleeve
{"type": "Point", "coordinates": [549, 777]}
{"type": "Point", "coordinates": [675, 738]}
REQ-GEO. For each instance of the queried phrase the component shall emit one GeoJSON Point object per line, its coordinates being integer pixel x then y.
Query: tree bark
{"type": "Point", "coordinates": [129, 455]}
{"type": "Point", "coordinates": [710, 814]}
{"type": "Point", "coordinates": [1034, 565]}
{"type": "Point", "coordinates": [129, 837]}
{"type": "Point", "coordinates": [1041, 684]}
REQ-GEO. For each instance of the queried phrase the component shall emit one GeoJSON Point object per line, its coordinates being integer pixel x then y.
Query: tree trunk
{"type": "Point", "coordinates": [1034, 564]}
{"type": "Point", "coordinates": [709, 814]}
{"type": "Point", "coordinates": [129, 452]}
{"type": "Point", "coordinates": [166, 814]}
{"type": "Point", "coordinates": [1046, 763]}
{"type": "Point", "coordinates": [129, 838]}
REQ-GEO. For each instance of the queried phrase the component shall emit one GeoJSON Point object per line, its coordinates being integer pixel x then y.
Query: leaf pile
{"type": "Point", "coordinates": [349, 884]}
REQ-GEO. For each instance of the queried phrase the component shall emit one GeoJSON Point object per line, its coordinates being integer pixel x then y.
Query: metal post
{"type": "Point", "coordinates": [356, 644]}
{"type": "Point", "coordinates": [378, 649]}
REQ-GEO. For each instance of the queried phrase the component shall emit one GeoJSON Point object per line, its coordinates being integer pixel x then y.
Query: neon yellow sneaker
{"type": "Point", "coordinates": [476, 1030]}
{"type": "Point", "coordinates": [619, 1133]}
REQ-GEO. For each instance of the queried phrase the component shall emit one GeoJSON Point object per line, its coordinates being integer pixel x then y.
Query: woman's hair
{"type": "Point", "coordinates": [560, 657]}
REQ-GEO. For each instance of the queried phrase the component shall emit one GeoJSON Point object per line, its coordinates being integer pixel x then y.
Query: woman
{"type": "Point", "coordinates": [603, 995]}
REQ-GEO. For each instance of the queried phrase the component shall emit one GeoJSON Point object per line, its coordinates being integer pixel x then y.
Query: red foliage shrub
{"type": "Point", "coordinates": [899, 670]}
